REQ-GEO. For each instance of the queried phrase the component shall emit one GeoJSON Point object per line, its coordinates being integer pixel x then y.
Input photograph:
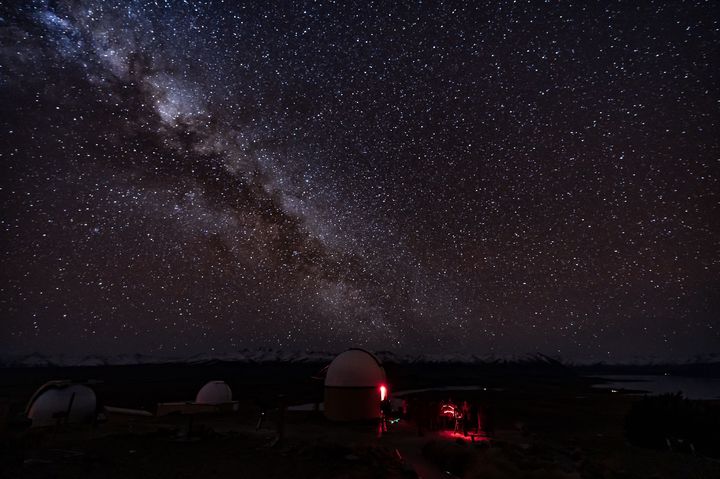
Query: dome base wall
{"type": "Point", "coordinates": [352, 404]}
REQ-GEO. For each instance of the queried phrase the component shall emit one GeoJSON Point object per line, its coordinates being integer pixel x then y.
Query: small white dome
{"type": "Point", "coordinates": [214, 392]}
{"type": "Point", "coordinates": [58, 397]}
{"type": "Point", "coordinates": [355, 368]}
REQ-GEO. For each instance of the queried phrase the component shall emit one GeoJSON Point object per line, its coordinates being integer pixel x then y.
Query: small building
{"type": "Point", "coordinates": [213, 397]}
{"type": "Point", "coordinates": [355, 385]}
{"type": "Point", "coordinates": [62, 401]}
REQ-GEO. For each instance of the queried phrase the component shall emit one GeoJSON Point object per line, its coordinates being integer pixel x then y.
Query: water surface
{"type": "Point", "coordinates": [692, 388]}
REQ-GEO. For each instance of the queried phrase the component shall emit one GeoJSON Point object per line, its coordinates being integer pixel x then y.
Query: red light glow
{"type": "Point", "coordinates": [448, 410]}
{"type": "Point", "coordinates": [473, 437]}
{"type": "Point", "coordinates": [383, 392]}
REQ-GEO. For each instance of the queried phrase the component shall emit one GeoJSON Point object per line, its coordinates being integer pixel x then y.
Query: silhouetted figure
{"type": "Point", "coordinates": [385, 413]}
{"type": "Point", "coordinates": [457, 428]}
{"type": "Point", "coordinates": [475, 416]}
{"type": "Point", "coordinates": [415, 413]}
{"type": "Point", "coordinates": [420, 416]}
{"type": "Point", "coordinates": [465, 417]}
{"type": "Point", "coordinates": [488, 420]}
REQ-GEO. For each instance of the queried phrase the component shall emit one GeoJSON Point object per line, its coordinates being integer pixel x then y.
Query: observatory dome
{"type": "Point", "coordinates": [76, 402]}
{"type": "Point", "coordinates": [214, 392]}
{"type": "Point", "coordinates": [355, 368]}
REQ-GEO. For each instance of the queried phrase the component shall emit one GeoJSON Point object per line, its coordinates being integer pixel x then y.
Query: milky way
{"type": "Point", "coordinates": [183, 177]}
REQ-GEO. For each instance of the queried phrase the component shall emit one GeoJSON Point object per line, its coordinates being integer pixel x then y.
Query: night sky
{"type": "Point", "coordinates": [428, 177]}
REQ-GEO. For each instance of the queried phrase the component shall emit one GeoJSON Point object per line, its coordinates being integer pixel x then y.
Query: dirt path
{"type": "Point", "coordinates": [404, 438]}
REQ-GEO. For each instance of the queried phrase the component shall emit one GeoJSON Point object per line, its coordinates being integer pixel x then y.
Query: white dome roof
{"type": "Point", "coordinates": [56, 397]}
{"type": "Point", "coordinates": [214, 392]}
{"type": "Point", "coordinates": [355, 368]}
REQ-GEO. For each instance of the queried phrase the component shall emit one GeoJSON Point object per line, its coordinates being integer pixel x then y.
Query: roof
{"type": "Point", "coordinates": [355, 368]}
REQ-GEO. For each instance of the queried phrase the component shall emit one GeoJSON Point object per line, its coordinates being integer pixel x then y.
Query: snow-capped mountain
{"type": "Point", "coordinates": [271, 355]}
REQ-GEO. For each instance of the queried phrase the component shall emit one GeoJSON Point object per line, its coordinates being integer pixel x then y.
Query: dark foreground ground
{"type": "Point", "coordinates": [539, 421]}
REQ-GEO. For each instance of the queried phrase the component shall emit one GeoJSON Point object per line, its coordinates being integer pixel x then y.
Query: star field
{"type": "Point", "coordinates": [495, 178]}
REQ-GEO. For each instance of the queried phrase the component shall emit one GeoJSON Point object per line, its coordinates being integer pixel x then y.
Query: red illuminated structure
{"type": "Point", "coordinates": [449, 410]}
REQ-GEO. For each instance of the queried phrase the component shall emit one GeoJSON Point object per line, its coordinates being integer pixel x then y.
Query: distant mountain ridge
{"type": "Point", "coordinates": [270, 355]}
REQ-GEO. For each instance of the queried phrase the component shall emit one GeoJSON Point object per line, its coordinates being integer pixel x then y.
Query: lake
{"type": "Point", "coordinates": [691, 387]}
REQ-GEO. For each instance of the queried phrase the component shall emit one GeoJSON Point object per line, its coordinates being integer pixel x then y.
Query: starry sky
{"type": "Point", "coordinates": [496, 178]}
